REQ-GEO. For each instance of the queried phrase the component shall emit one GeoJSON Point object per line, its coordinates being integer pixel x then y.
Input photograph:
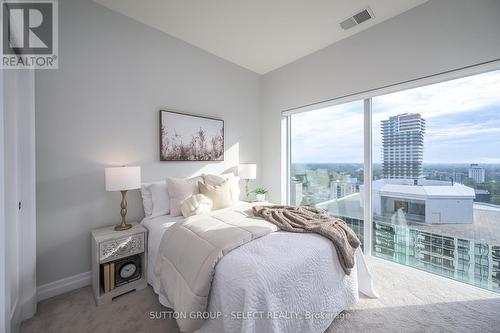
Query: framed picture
{"type": "Point", "coordinates": [185, 137]}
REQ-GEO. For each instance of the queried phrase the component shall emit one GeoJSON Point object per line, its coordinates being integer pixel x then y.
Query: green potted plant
{"type": "Point", "coordinates": [260, 193]}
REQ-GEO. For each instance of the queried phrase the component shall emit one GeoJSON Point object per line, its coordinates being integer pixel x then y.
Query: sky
{"type": "Point", "coordinates": [462, 124]}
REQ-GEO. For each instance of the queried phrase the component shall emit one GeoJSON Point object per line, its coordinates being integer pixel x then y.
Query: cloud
{"type": "Point", "coordinates": [462, 118]}
{"type": "Point", "coordinates": [328, 134]}
{"type": "Point", "coordinates": [447, 98]}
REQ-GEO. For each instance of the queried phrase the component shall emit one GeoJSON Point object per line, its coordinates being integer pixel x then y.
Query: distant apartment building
{"type": "Point", "coordinates": [403, 146]}
{"type": "Point", "coordinates": [470, 261]}
{"type": "Point", "coordinates": [459, 177]}
{"type": "Point", "coordinates": [342, 188]}
{"type": "Point", "coordinates": [476, 173]}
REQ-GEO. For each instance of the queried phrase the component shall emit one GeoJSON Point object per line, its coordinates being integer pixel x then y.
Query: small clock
{"type": "Point", "coordinates": [127, 269]}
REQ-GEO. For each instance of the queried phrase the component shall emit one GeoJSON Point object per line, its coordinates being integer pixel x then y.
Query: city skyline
{"type": "Point", "coordinates": [462, 116]}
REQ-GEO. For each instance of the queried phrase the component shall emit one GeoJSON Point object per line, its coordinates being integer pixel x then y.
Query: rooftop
{"type": "Point", "coordinates": [424, 188]}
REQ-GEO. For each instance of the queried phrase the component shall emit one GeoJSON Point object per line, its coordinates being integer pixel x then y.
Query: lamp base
{"type": "Point", "coordinates": [124, 226]}
{"type": "Point", "coordinates": [123, 212]}
{"type": "Point", "coordinates": [247, 191]}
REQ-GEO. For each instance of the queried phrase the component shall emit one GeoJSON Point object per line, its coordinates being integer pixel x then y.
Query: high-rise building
{"type": "Point", "coordinates": [340, 188]}
{"type": "Point", "coordinates": [476, 173]}
{"type": "Point", "coordinates": [403, 146]}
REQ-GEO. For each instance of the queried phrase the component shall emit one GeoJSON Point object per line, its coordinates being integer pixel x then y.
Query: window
{"type": "Point", "coordinates": [435, 191]}
{"type": "Point", "coordinates": [438, 177]}
{"type": "Point", "coordinates": [327, 161]}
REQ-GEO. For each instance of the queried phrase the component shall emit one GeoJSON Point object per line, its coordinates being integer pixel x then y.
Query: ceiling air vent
{"type": "Point", "coordinates": [356, 19]}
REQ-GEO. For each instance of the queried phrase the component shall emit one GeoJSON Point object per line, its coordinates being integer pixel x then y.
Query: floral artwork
{"type": "Point", "coordinates": [186, 137]}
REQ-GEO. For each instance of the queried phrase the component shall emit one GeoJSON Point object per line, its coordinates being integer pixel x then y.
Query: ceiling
{"type": "Point", "coordinates": [260, 35]}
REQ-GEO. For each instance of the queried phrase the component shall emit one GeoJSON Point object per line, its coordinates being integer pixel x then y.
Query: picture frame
{"type": "Point", "coordinates": [189, 137]}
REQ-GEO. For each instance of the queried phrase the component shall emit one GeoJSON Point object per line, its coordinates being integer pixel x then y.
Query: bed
{"type": "Point", "coordinates": [281, 282]}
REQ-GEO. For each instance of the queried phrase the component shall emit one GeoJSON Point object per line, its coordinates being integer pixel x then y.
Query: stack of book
{"type": "Point", "coordinates": [108, 276]}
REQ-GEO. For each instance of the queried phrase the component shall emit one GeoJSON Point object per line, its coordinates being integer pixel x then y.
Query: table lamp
{"type": "Point", "coordinates": [123, 179]}
{"type": "Point", "coordinates": [247, 172]}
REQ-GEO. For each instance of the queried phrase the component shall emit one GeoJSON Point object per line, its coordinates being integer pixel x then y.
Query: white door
{"type": "Point", "coordinates": [18, 188]}
{"type": "Point", "coordinates": [4, 297]}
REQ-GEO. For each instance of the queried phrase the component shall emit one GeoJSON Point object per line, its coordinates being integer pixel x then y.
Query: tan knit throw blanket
{"type": "Point", "coordinates": [308, 219]}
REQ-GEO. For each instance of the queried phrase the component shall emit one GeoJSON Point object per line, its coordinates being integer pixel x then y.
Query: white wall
{"type": "Point", "coordinates": [438, 36]}
{"type": "Point", "coordinates": [100, 108]}
{"type": "Point", "coordinates": [449, 210]}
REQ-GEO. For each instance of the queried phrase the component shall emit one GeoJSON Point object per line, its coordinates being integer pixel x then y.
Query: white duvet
{"type": "Point", "coordinates": [281, 282]}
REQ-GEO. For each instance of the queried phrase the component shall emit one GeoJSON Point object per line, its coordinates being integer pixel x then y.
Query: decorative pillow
{"type": "Point", "coordinates": [195, 205]}
{"type": "Point", "coordinates": [180, 189]}
{"type": "Point", "coordinates": [161, 200]}
{"type": "Point", "coordinates": [147, 200]}
{"type": "Point", "coordinates": [219, 194]}
{"type": "Point", "coordinates": [234, 182]}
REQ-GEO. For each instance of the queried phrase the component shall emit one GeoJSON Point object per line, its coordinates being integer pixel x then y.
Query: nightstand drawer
{"type": "Point", "coordinates": [121, 247]}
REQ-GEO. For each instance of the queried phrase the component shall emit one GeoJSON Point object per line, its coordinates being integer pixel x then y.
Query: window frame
{"type": "Point", "coordinates": [367, 98]}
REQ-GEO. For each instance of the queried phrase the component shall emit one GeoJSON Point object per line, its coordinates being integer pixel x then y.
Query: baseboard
{"type": "Point", "coordinates": [63, 286]}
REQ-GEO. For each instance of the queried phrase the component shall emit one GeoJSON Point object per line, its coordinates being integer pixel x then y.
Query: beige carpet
{"type": "Point", "coordinates": [411, 301]}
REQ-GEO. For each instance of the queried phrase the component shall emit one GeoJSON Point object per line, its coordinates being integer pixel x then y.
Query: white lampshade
{"type": "Point", "coordinates": [247, 171]}
{"type": "Point", "coordinates": [123, 178]}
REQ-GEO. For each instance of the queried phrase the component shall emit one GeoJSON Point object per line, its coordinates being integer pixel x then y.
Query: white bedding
{"type": "Point", "coordinates": [280, 280]}
{"type": "Point", "coordinates": [156, 227]}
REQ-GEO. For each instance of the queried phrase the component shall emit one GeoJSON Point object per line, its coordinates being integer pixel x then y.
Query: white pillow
{"type": "Point", "coordinates": [180, 189]}
{"type": "Point", "coordinates": [219, 194]}
{"type": "Point", "coordinates": [161, 200]}
{"type": "Point", "coordinates": [195, 205]}
{"type": "Point", "coordinates": [234, 184]}
{"type": "Point", "coordinates": [147, 200]}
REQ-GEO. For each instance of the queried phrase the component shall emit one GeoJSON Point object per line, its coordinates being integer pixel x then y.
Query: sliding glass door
{"type": "Point", "coordinates": [326, 168]}
{"type": "Point", "coordinates": [435, 193]}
